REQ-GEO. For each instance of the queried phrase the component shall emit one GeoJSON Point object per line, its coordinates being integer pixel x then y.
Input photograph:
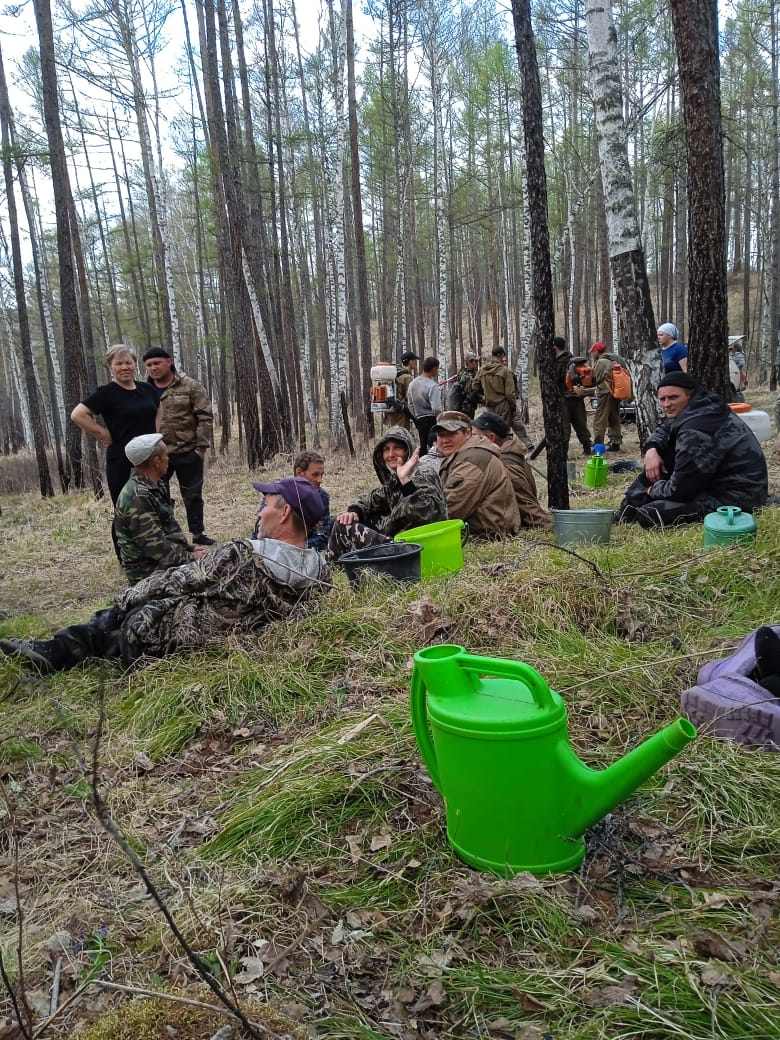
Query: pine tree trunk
{"type": "Point", "coordinates": [541, 273]}
{"type": "Point", "coordinates": [696, 36]}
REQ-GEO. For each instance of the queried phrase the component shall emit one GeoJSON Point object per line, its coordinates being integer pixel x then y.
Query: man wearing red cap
{"type": "Point", "coordinates": [607, 417]}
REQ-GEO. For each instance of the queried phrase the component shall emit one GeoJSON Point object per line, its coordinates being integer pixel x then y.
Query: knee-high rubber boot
{"type": "Point", "coordinates": [98, 637]}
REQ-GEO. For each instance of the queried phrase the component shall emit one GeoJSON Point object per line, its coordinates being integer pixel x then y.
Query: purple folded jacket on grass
{"type": "Point", "coordinates": [732, 706]}
{"type": "Point", "coordinates": [741, 662]}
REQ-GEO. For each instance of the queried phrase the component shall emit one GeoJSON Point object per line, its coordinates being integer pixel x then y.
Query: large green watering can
{"type": "Point", "coordinates": [494, 739]}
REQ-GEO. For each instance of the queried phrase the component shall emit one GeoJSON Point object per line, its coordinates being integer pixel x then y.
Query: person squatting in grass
{"type": "Point", "coordinates": [147, 534]}
{"type": "Point", "coordinates": [701, 457]}
{"type": "Point", "coordinates": [408, 495]}
{"type": "Point", "coordinates": [240, 587]}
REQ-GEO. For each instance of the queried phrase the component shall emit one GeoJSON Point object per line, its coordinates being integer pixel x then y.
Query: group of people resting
{"type": "Point", "coordinates": [702, 456]}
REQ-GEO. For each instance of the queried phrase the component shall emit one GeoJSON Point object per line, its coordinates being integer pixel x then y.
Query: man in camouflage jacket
{"type": "Point", "coordinates": [459, 398]}
{"type": "Point", "coordinates": [703, 456]}
{"type": "Point", "coordinates": [147, 534]}
{"type": "Point", "coordinates": [495, 384]}
{"type": "Point", "coordinates": [240, 587]}
{"type": "Point", "coordinates": [187, 429]}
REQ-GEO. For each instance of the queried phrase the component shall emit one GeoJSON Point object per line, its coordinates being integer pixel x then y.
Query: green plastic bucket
{"type": "Point", "coordinates": [442, 546]}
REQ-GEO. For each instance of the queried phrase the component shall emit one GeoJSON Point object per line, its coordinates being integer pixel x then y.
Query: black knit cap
{"type": "Point", "coordinates": [682, 379]}
{"type": "Point", "coordinates": [154, 352]}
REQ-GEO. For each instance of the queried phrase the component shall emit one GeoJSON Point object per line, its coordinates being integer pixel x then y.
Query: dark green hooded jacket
{"type": "Point", "coordinates": [394, 507]}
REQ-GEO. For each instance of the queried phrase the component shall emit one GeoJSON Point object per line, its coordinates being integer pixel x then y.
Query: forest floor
{"type": "Point", "coordinates": [274, 791]}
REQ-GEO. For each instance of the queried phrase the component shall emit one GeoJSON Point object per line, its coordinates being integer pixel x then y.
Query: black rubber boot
{"type": "Point", "coordinates": [41, 655]}
{"type": "Point", "coordinates": [767, 654]}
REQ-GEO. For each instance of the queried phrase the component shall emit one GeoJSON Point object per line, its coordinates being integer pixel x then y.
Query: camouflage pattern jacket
{"type": "Point", "coordinates": [710, 455]}
{"type": "Point", "coordinates": [147, 534]}
{"type": "Point", "coordinates": [239, 587]}
{"type": "Point", "coordinates": [459, 398]}
{"type": "Point", "coordinates": [496, 384]}
{"type": "Point", "coordinates": [401, 417]}
{"type": "Point", "coordinates": [187, 417]}
{"type": "Point", "coordinates": [393, 506]}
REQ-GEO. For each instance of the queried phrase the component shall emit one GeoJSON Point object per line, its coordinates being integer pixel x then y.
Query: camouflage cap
{"type": "Point", "coordinates": [450, 422]}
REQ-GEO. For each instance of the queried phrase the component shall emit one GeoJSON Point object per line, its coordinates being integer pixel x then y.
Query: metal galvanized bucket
{"type": "Point", "coordinates": [582, 525]}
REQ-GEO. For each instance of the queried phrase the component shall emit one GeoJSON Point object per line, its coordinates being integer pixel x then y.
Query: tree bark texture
{"type": "Point", "coordinates": [541, 273]}
{"type": "Point", "coordinates": [696, 37]}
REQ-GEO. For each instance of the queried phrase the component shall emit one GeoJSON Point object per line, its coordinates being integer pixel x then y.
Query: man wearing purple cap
{"type": "Point", "coordinates": [240, 587]}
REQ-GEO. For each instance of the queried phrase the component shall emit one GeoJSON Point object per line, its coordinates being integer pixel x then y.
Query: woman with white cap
{"type": "Point", "coordinates": [674, 353]}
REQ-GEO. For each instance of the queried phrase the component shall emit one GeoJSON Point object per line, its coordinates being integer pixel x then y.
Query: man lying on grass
{"type": "Point", "coordinates": [241, 586]}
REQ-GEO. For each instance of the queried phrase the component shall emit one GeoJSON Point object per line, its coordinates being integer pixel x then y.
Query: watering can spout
{"type": "Point", "coordinates": [597, 792]}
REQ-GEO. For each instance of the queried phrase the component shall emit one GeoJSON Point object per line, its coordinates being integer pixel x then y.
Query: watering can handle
{"type": "Point", "coordinates": [418, 702]}
{"type": "Point", "coordinates": [540, 691]}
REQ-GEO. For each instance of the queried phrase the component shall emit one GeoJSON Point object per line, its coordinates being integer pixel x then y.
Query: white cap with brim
{"type": "Point", "coordinates": [140, 448]}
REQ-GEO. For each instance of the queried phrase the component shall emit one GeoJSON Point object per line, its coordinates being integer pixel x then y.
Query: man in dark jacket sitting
{"type": "Point", "coordinates": [703, 456]}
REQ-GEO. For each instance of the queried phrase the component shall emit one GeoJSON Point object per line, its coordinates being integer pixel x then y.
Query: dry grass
{"type": "Point", "coordinates": [274, 789]}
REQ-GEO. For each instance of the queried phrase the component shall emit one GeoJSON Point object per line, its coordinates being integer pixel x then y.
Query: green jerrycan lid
{"type": "Point", "coordinates": [489, 696]}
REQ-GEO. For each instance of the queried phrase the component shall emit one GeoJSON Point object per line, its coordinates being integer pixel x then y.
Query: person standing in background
{"type": "Point", "coordinates": [423, 399]}
{"type": "Point", "coordinates": [674, 353]}
{"type": "Point", "coordinates": [187, 424]}
{"type": "Point", "coordinates": [495, 384]}
{"type": "Point", "coordinates": [128, 409]}
{"type": "Point", "coordinates": [572, 406]}
{"type": "Point", "coordinates": [405, 373]}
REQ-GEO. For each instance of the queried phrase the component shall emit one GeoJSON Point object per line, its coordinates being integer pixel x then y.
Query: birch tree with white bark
{"type": "Point", "coordinates": [633, 301]}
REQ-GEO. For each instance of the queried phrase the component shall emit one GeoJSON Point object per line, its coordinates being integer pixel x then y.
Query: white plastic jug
{"type": "Point", "coordinates": [758, 422]}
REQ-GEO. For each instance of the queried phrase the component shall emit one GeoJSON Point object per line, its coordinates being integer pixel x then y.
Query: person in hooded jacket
{"type": "Point", "coordinates": [408, 496]}
{"type": "Point", "coordinates": [495, 384]}
{"type": "Point", "coordinates": [703, 456]}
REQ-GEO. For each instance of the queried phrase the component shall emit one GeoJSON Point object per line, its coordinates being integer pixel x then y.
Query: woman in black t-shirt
{"type": "Point", "coordinates": [128, 409]}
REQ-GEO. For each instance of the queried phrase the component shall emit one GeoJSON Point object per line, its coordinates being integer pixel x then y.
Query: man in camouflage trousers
{"type": "Point", "coordinates": [459, 398]}
{"type": "Point", "coordinates": [147, 535]}
{"type": "Point", "coordinates": [240, 587]}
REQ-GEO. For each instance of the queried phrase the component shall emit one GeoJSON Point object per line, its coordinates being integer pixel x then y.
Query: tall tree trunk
{"type": "Point", "coordinates": [696, 36]}
{"type": "Point", "coordinates": [75, 372]}
{"type": "Point", "coordinates": [31, 385]}
{"type": "Point", "coordinates": [361, 272]}
{"type": "Point", "coordinates": [636, 323]}
{"type": "Point", "coordinates": [541, 272]}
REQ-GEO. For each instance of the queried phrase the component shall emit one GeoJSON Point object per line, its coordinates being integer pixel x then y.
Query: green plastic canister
{"type": "Point", "coordinates": [728, 524]}
{"type": "Point", "coordinates": [442, 546]}
{"type": "Point", "coordinates": [494, 739]}
{"type": "Point", "coordinates": [596, 469]}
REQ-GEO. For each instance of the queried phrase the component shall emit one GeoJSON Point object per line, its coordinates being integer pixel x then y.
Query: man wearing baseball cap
{"type": "Point", "coordinates": [476, 484]}
{"type": "Point", "coordinates": [147, 535]}
{"type": "Point", "coordinates": [187, 425]}
{"type": "Point", "coordinates": [238, 588]}
{"type": "Point", "coordinates": [495, 384]}
{"type": "Point", "coordinates": [493, 428]}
